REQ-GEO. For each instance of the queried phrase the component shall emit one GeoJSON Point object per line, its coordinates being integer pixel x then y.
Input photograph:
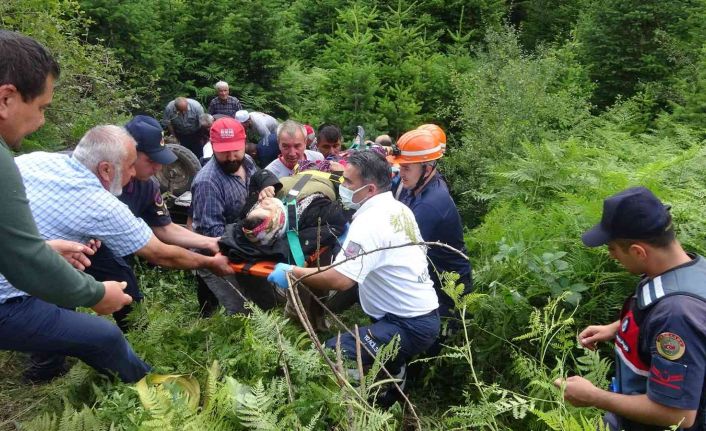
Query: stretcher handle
{"type": "Point", "coordinates": [259, 269]}
{"type": "Point", "coordinates": [263, 268]}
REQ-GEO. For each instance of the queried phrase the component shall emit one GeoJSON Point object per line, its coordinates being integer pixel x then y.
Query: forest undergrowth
{"type": "Point", "coordinates": [549, 107]}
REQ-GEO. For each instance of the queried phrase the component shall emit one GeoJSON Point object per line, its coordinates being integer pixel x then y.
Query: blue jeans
{"type": "Point", "coordinates": [417, 334]}
{"type": "Point", "coordinates": [28, 324]}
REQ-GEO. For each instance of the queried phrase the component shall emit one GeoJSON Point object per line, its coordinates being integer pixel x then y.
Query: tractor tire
{"type": "Point", "coordinates": [176, 178]}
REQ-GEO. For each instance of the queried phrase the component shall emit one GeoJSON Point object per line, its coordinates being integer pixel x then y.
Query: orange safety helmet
{"type": "Point", "coordinates": [438, 132]}
{"type": "Point", "coordinates": [415, 146]}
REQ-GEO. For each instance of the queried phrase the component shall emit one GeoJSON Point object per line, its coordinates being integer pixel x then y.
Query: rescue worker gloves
{"type": "Point", "coordinates": [279, 275]}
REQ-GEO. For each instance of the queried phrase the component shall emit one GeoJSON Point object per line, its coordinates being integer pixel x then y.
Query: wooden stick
{"type": "Point", "coordinates": [284, 365]}
{"type": "Point", "coordinates": [359, 361]}
{"type": "Point", "coordinates": [339, 362]}
{"type": "Point", "coordinates": [382, 366]}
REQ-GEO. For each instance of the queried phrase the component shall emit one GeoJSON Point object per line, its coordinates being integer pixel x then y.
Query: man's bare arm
{"type": "Point", "coordinates": [177, 235]}
{"type": "Point", "coordinates": [171, 256]}
{"type": "Point", "coordinates": [329, 279]}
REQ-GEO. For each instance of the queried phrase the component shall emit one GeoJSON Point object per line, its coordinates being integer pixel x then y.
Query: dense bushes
{"type": "Point", "coordinates": [91, 90]}
{"type": "Point", "coordinates": [546, 114]}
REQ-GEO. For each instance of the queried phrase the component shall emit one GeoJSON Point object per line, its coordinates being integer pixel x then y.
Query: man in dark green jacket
{"type": "Point", "coordinates": [35, 323]}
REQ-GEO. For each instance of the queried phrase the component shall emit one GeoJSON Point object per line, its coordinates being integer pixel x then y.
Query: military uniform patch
{"type": "Point", "coordinates": [670, 346]}
{"type": "Point", "coordinates": [159, 204]}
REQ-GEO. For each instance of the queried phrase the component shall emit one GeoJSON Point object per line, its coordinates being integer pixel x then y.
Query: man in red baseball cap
{"type": "Point", "coordinates": [219, 192]}
{"type": "Point", "coordinates": [228, 142]}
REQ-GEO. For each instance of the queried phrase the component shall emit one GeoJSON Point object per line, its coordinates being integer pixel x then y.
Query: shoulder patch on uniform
{"type": "Point", "coordinates": [670, 346]}
{"type": "Point", "coordinates": [353, 249]}
{"type": "Point", "coordinates": [161, 208]}
{"type": "Point", "coordinates": [158, 200]}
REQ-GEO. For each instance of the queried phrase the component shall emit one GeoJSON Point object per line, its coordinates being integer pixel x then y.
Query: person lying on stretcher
{"type": "Point", "coordinates": [302, 219]}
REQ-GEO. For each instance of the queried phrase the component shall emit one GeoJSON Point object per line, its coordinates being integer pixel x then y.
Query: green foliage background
{"type": "Point", "coordinates": [549, 106]}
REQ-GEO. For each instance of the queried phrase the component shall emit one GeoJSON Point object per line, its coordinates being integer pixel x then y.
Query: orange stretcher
{"type": "Point", "coordinates": [258, 269]}
{"type": "Point", "coordinates": [264, 268]}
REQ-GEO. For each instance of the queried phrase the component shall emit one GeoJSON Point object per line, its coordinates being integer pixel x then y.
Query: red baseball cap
{"type": "Point", "coordinates": [227, 134]}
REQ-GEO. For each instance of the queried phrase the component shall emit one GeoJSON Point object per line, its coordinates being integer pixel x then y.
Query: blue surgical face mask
{"type": "Point", "coordinates": [347, 197]}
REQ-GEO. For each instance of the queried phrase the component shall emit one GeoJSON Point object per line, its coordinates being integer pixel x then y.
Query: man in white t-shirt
{"type": "Point", "coordinates": [393, 284]}
{"type": "Point", "coordinates": [291, 138]}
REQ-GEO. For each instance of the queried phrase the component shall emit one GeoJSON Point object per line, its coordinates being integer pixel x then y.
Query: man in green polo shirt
{"type": "Point", "coordinates": [27, 75]}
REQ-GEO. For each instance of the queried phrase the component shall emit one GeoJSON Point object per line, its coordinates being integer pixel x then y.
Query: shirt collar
{"type": "Point", "coordinates": [80, 167]}
{"type": "Point", "coordinates": [379, 199]}
{"type": "Point", "coordinates": [3, 143]}
{"type": "Point", "coordinates": [409, 198]}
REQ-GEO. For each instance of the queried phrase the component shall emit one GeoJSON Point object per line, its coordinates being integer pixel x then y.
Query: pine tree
{"type": "Point", "coordinates": [628, 42]}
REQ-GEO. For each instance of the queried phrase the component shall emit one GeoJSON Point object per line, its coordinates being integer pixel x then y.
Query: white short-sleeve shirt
{"type": "Point", "coordinates": [394, 281]}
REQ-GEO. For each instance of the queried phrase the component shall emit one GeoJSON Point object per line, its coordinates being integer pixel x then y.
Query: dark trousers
{"type": "Point", "coordinates": [192, 141]}
{"type": "Point", "coordinates": [212, 290]}
{"type": "Point", "coordinates": [106, 266]}
{"type": "Point", "coordinates": [28, 324]}
{"type": "Point", "coordinates": [416, 334]}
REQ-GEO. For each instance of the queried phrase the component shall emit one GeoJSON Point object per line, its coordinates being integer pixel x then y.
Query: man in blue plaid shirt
{"type": "Point", "coordinates": [31, 319]}
{"type": "Point", "coordinates": [219, 192]}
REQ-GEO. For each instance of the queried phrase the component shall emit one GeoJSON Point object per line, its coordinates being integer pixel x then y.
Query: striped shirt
{"type": "Point", "coordinates": [218, 198]}
{"type": "Point", "coordinates": [69, 202]}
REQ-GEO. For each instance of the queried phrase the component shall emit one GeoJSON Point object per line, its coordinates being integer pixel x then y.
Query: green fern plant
{"type": "Point", "coordinates": [70, 419]}
{"type": "Point", "coordinates": [555, 420]}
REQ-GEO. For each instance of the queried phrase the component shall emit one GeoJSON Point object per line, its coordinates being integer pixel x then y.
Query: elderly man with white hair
{"type": "Point", "coordinates": [224, 103]}
{"type": "Point", "coordinates": [74, 198]}
{"type": "Point", "coordinates": [291, 139]}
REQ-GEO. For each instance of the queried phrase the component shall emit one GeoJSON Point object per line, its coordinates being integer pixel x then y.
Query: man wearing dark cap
{"type": "Point", "coordinates": [142, 195]}
{"type": "Point", "coordinates": [660, 337]}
